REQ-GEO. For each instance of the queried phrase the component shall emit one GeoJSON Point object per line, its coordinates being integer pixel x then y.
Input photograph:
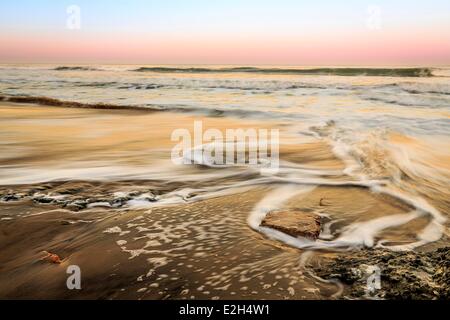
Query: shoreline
{"type": "Point", "coordinates": [183, 234]}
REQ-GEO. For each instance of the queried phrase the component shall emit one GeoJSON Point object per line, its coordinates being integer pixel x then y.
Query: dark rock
{"type": "Point", "coordinates": [294, 222]}
{"type": "Point", "coordinates": [10, 197]}
{"type": "Point", "coordinates": [73, 207]}
{"type": "Point", "coordinates": [403, 275]}
{"type": "Point", "coordinates": [43, 200]}
{"type": "Point", "coordinates": [118, 202]}
{"type": "Point", "coordinates": [76, 205]}
{"type": "Point", "coordinates": [61, 202]}
{"type": "Point", "coordinates": [80, 203]}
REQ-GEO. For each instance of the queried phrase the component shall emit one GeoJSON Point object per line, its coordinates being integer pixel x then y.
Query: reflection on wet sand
{"type": "Point", "coordinates": [98, 188]}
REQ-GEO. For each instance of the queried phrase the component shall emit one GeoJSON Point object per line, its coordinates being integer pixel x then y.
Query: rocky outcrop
{"type": "Point", "coordinates": [74, 196]}
{"type": "Point", "coordinates": [295, 223]}
{"type": "Point", "coordinates": [402, 275]}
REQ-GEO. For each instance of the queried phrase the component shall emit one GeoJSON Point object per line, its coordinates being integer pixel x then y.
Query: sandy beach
{"type": "Point", "coordinates": [139, 229]}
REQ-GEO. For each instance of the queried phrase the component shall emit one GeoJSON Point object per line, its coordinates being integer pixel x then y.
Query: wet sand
{"type": "Point", "coordinates": [195, 251]}
{"type": "Point", "coordinates": [130, 244]}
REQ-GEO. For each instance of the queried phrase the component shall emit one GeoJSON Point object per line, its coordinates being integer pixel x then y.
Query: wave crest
{"type": "Point", "coordinates": [75, 68]}
{"type": "Point", "coordinates": [378, 72]}
{"type": "Point", "coordinates": [51, 102]}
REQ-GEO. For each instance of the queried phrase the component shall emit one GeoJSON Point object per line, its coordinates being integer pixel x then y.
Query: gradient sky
{"type": "Point", "coordinates": [321, 32]}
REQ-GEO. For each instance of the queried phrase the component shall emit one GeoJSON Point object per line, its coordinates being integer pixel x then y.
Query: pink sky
{"type": "Point", "coordinates": [282, 32]}
{"type": "Point", "coordinates": [351, 50]}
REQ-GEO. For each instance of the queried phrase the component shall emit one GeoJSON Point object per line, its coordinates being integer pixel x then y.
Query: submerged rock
{"type": "Point", "coordinates": [401, 275]}
{"type": "Point", "coordinates": [43, 199]}
{"type": "Point", "coordinates": [77, 196]}
{"type": "Point", "coordinates": [295, 223]}
{"type": "Point", "coordinates": [10, 197]}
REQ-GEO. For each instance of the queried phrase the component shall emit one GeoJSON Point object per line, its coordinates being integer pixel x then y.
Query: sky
{"type": "Point", "coordinates": [240, 32]}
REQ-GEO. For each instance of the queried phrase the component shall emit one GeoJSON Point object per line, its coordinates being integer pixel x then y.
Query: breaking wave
{"type": "Point", "coordinates": [213, 112]}
{"type": "Point", "coordinates": [51, 102]}
{"type": "Point", "coordinates": [378, 72]}
{"type": "Point", "coordinates": [75, 68]}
